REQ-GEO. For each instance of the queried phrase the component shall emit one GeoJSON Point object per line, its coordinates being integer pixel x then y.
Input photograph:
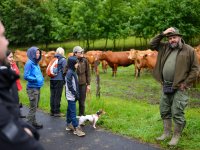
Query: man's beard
{"type": "Point", "coordinates": [174, 45]}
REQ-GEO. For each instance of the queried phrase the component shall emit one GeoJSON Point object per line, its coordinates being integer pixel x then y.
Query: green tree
{"type": "Point", "coordinates": [153, 16]}
{"type": "Point", "coordinates": [115, 20]}
{"type": "Point", "coordinates": [85, 17]}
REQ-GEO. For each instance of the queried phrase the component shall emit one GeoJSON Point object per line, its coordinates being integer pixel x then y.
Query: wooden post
{"type": "Point", "coordinates": [96, 63]}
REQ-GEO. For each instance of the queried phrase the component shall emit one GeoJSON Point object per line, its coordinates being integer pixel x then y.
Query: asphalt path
{"type": "Point", "coordinates": [53, 136]}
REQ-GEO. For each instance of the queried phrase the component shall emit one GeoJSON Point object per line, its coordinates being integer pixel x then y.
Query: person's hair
{"type": "Point", "coordinates": [60, 50]}
{"type": "Point", "coordinates": [8, 53]}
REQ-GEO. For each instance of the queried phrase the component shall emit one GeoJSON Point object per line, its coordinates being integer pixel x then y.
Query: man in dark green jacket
{"type": "Point", "coordinates": [176, 69]}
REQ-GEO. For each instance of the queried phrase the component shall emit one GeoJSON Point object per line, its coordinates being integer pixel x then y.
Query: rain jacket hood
{"type": "Point", "coordinates": [71, 62]}
{"type": "Point", "coordinates": [31, 53]}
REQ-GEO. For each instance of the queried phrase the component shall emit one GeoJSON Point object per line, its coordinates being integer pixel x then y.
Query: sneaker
{"type": "Point", "coordinates": [37, 125]}
{"type": "Point", "coordinates": [69, 127]}
{"type": "Point", "coordinates": [79, 132]}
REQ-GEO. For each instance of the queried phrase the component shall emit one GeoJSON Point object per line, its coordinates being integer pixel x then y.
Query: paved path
{"type": "Point", "coordinates": [54, 137]}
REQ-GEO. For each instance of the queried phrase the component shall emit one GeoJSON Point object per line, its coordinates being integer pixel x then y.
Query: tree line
{"type": "Point", "coordinates": [49, 21]}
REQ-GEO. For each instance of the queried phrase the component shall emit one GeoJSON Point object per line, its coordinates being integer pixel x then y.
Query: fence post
{"type": "Point", "coordinates": [96, 63]}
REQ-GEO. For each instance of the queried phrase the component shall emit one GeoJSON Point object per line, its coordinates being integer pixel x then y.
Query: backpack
{"type": "Point", "coordinates": [52, 69]}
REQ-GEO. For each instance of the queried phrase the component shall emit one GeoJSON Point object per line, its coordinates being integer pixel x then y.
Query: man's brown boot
{"type": "Point", "coordinates": [167, 123]}
{"type": "Point", "coordinates": [178, 128]}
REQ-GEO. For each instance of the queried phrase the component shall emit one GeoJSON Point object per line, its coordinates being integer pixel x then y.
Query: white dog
{"type": "Point", "coordinates": [92, 118]}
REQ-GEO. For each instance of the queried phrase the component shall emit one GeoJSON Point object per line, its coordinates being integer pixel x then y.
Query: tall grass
{"type": "Point", "coordinates": [132, 107]}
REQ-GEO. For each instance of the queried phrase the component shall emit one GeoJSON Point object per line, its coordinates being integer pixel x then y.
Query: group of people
{"type": "Point", "coordinates": [176, 68]}
{"type": "Point", "coordinates": [76, 87]}
{"type": "Point", "coordinates": [15, 133]}
{"type": "Point", "coordinates": [75, 74]}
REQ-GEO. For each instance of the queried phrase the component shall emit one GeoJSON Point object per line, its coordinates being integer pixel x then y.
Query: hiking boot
{"type": "Point", "coordinates": [57, 115]}
{"type": "Point", "coordinates": [70, 127]}
{"type": "Point", "coordinates": [178, 128]}
{"type": "Point", "coordinates": [22, 116]}
{"type": "Point", "coordinates": [79, 132]}
{"type": "Point", "coordinates": [51, 114]}
{"type": "Point", "coordinates": [167, 123]}
{"type": "Point", "coordinates": [37, 125]}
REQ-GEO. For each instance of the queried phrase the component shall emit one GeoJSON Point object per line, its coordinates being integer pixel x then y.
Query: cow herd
{"type": "Point", "coordinates": [140, 58]}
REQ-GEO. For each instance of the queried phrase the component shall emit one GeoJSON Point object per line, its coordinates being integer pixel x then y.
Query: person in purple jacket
{"type": "Point", "coordinates": [33, 75]}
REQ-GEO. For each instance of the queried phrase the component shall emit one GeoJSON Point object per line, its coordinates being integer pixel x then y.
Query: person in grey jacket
{"type": "Point", "coordinates": [56, 83]}
{"type": "Point", "coordinates": [176, 69]}
{"type": "Point", "coordinates": [72, 95]}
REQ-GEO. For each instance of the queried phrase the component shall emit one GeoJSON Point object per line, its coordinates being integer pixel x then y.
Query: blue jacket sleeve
{"type": "Point", "coordinates": [27, 73]}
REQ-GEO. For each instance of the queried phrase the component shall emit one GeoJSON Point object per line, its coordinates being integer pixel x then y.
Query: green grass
{"type": "Point", "coordinates": [132, 107]}
{"type": "Point", "coordinates": [130, 42]}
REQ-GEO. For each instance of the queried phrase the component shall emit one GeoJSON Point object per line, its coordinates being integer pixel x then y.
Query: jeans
{"type": "Point", "coordinates": [71, 113]}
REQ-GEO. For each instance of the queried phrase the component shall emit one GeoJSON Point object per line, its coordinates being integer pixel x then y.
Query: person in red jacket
{"type": "Point", "coordinates": [17, 86]}
{"type": "Point", "coordinates": [14, 67]}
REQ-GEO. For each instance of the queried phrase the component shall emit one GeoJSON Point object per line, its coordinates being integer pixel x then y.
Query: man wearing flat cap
{"type": "Point", "coordinates": [83, 72]}
{"type": "Point", "coordinates": [176, 69]}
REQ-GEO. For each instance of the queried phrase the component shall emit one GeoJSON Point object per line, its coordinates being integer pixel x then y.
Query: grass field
{"type": "Point", "coordinates": [130, 42]}
{"type": "Point", "coordinates": [132, 107]}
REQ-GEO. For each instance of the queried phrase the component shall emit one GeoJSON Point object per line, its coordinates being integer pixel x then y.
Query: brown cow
{"type": "Point", "coordinates": [134, 55]}
{"type": "Point", "coordinates": [104, 66]}
{"type": "Point", "coordinates": [20, 57]}
{"type": "Point", "coordinates": [48, 56]}
{"type": "Point", "coordinates": [147, 60]}
{"type": "Point", "coordinates": [69, 54]}
{"type": "Point", "coordinates": [45, 60]}
{"type": "Point", "coordinates": [198, 55]}
{"type": "Point", "coordinates": [93, 56]}
{"type": "Point", "coordinates": [197, 50]}
{"type": "Point", "coordinates": [116, 59]}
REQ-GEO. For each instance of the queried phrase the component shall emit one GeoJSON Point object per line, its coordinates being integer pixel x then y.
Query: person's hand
{"type": "Point", "coordinates": [88, 89]}
{"type": "Point", "coordinates": [77, 96]}
{"type": "Point", "coordinates": [171, 29]}
{"type": "Point", "coordinates": [183, 87]}
{"type": "Point", "coordinates": [28, 131]}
